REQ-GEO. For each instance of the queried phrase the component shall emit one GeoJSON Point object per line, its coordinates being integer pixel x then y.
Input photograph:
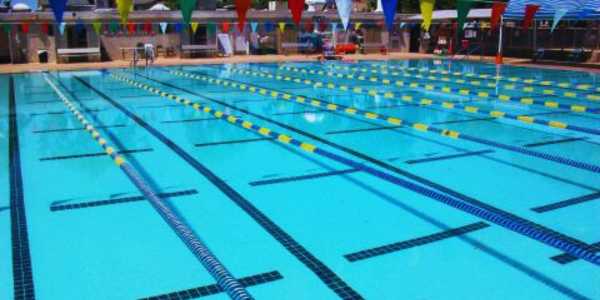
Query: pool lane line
{"type": "Point", "coordinates": [214, 289]}
{"type": "Point", "coordinates": [96, 203]}
{"type": "Point", "coordinates": [388, 119]}
{"type": "Point", "coordinates": [488, 250]}
{"type": "Point", "coordinates": [86, 155]}
{"type": "Point", "coordinates": [323, 272]}
{"type": "Point", "coordinates": [480, 212]}
{"type": "Point", "coordinates": [566, 203]}
{"type": "Point", "coordinates": [425, 102]}
{"type": "Point", "coordinates": [392, 168]}
{"type": "Point", "coordinates": [74, 129]}
{"type": "Point", "coordinates": [566, 258]}
{"type": "Point", "coordinates": [448, 90]}
{"type": "Point", "coordinates": [23, 284]}
{"type": "Point", "coordinates": [566, 85]}
{"type": "Point", "coordinates": [227, 282]}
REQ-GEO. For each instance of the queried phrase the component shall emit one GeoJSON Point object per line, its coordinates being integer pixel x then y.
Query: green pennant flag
{"type": "Point", "coordinates": [462, 10]}
{"type": "Point", "coordinates": [187, 8]}
{"type": "Point", "coordinates": [210, 29]}
{"type": "Point", "coordinates": [6, 28]}
{"type": "Point", "coordinates": [113, 27]}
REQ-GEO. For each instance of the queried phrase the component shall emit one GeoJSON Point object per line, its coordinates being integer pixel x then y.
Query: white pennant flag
{"type": "Point", "coordinates": [61, 28]}
{"type": "Point", "coordinates": [163, 27]}
{"type": "Point", "coordinates": [344, 8]}
{"type": "Point", "coordinates": [560, 12]}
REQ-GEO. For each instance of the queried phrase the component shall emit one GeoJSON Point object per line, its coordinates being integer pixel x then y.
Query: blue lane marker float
{"type": "Point", "coordinates": [506, 222]}
{"type": "Point", "coordinates": [225, 280]}
{"type": "Point", "coordinates": [388, 119]}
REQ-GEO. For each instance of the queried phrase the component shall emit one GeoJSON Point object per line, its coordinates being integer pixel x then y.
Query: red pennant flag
{"type": "Point", "coordinates": [225, 26]}
{"type": "Point", "coordinates": [241, 7]}
{"type": "Point", "coordinates": [498, 9]}
{"type": "Point", "coordinates": [147, 27]}
{"type": "Point", "coordinates": [131, 27]}
{"type": "Point", "coordinates": [25, 27]}
{"type": "Point", "coordinates": [45, 29]}
{"type": "Point", "coordinates": [530, 10]}
{"type": "Point", "coordinates": [296, 6]}
{"type": "Point", "coordinates": [454, 25]}
{"type": "Point", "coordinates": [309, 26]}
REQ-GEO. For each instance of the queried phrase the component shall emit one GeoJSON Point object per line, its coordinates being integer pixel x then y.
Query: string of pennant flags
{"type": "Point", "coordinates": [296, 7]}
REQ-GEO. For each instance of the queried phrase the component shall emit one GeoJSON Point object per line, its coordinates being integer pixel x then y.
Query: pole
{"type": "Point", "coordinates": [534, 35]}
{"type": "Point", "coordinates": [499, 55]}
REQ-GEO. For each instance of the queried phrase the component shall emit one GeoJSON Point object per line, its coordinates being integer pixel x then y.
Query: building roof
{"type": "Point", "coordinates": [516, 9]}
{"type": "Point", "coordinates": [476, 13]}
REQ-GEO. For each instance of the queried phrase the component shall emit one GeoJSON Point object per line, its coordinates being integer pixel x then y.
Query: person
{"type": "Point", "coordinates": [149, 51]}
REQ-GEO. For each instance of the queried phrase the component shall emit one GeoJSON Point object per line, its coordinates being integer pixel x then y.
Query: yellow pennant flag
{"type": "Point", "coordinates": [124, 7]}
{"type": "Point", "coordinates": [426, 12]}
{"type": "Point", "coordinates": [357, 24]}
{"type": "Point", "coordinates": [96, 26]}
{"type": "Point", "coordinates": [194, 26]}
{"type": "Point", "coordinates": [282, 26]}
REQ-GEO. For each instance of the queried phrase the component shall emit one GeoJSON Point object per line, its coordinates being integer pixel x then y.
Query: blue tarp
{"type": "Point", "coordinates": [516, 9]}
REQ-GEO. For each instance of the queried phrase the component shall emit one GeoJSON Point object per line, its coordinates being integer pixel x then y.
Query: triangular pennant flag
{"type": "Point", "coordinates": [296, 7]}
{"type": "Point", "coordinates": [268, 26]}
{"type": "Point", "coordinates": [147, 27]}
{"type": "Point", "coordinates": [225, 26]}
{"type": "Point", "coordinates": [282, 26]}
{"type": "Point", "coordinates": [79, 27]}
{"type": "Point", "coordinates": [344, 8]}
{"type": "Point", "coordinates": [462, 10]}
{"type": "Point", "coordinates": [241, 7]}
{"type": "Point", "coordinates": [96, 26]}
{"type": "Point", "coordinates": [309, 26]}
{"type": "Point", "coordinates": [357, 25]}
{"type": "Point", "coordinates": [558, 14]}
{"type": "Point", "coordinates": [25, 27]}
{"type": "Point", "coordinates": [58, 8]}
{"type": "Point", "coordinates": [113, 27]}
{"type": "Point", "coordinates": [333, 26]}
{"type": "Point", "coordinates": [124, 7]}
{"type": "Point", "coordinates": [389, 12]}
{"type": "Point", "coordinates": [210, 27]}
{"type": "Point", "coordinates": [253, 26]}
{"type": "Point", "coordinates": [530, 11]}
{"type": "Point", "coordinates": [322, 26]}
{"type": "Point", "coordinates": [194, 26]}
{"type": "Point", "coordinates": [426, 12]}
{"type": "Point", "coordinates": [498, 9]}
{"type": "Point", "coordinates": [402, 24]}
{"type": "Point", "coordinates": [187, 8]}
{"type": "Point", "coordinates": [61, 28]}
{"type": "Point", "coordinates": [163, 27]}
{"type": "Point", "coordinates": [45, 28]}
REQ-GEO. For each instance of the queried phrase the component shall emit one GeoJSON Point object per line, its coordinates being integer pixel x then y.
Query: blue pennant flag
{"type": "Point", "coordinates": [389, 12]}
{"type": "Point", "coordinates": [268, 26]}
{"type": "Point", "coordinates": [58, 7]}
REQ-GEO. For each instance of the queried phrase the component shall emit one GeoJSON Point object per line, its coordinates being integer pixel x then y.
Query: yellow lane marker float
{"type": "Point", "coordinates": [447, 105]}
{"type": "Point", "coordinates": [523, 100]}
{"type": "Point", "coordinates": [582, 87]}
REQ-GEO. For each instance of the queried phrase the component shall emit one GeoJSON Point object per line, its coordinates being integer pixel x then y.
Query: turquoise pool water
{"type": "Point", "coordinates": [355, 206]}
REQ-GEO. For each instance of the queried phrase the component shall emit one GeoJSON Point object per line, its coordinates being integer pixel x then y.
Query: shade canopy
{"type": "Point", "coordinates": [516, 9]}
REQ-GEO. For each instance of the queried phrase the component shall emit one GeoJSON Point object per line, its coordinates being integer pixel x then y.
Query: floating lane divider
{"type": "Point", "coordinates": [565, 85]}
{"type": "Point", "coordinates": [506, 222]}
{"type": "Point", "coordinates": [392, 120]}
{"type": "Point", "coordinates": [424, 101]}
{"type": "Point", "coordinates": [454, 91]}
{"type": "Point", "coordinates": [225, 280]}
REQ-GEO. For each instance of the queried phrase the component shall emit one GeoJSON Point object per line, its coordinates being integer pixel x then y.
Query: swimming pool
{"type": "Point", "coordinates": [367, 180]}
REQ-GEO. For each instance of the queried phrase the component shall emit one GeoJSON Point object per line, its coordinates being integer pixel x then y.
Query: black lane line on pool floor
{"type": "Point", "coordinates": [566, 203]}
{"type": "Point", "coordinates": [89, 204]}
{"type": "Point", "coordinates": [451, 156]}
{"type": "Point", "coordinates": [566, 258]}
{"type": "Point", "coordinates": [302, 177]}
{"type": "Point", "coordinates": [75, 129]}
{"type": "Point", "coordinates": [327, 276]}
{"type": "Point", "coordinates": [233, 142]}
{"type": "Point", "coordinates": [428, 239]}
{"type": "Point", "coordinates": [63, 112]}
{"type": "Point", "coordinates": [568, 140]}
{"type": "Point", "coordinates": [387, 166]}
{"type": "Point", "coordinates": [21, 256]}
{"type": "Point", "coordinates": [482, 247]}
{"type": "Point", "coordinates": [93, 154]}
{"type": "Point", "coordinates": [213, 289]}
{"type": "Point", "coordinates": [364, 129]}
{"type": "Point", "coordinates": [301, 112]}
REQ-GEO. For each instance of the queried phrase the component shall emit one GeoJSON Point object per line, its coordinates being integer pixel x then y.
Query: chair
{"type": "Point", "coordinates": [538, 55]}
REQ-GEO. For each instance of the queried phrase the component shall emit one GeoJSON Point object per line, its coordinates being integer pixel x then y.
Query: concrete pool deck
{"type": "Point", "coordinates": [34, 67]}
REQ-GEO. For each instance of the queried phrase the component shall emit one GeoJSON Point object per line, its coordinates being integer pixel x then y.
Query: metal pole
{"type": "Point", "coordinates": [534, 35]}
{"type": "Point", "coordinates": [501, 28]}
